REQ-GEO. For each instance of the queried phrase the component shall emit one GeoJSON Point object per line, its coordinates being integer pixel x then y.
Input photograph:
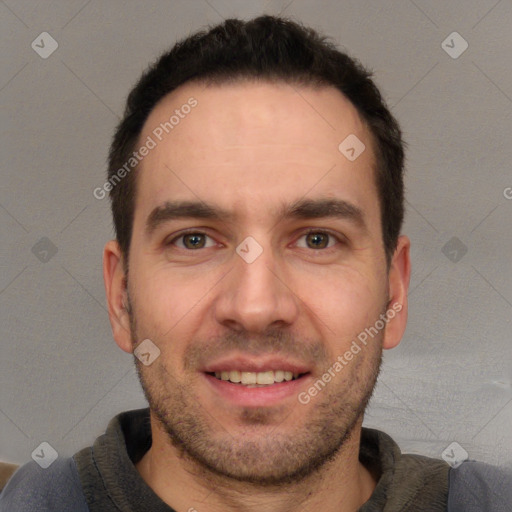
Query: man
{"type": "Point", "coordinates": [257, 274]}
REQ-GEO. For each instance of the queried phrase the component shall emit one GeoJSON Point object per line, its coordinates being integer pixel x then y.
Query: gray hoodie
{"type": "Point", "coordinates": [103, 478]}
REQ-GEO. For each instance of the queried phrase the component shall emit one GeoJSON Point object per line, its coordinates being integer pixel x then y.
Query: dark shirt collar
{"type": "Point", "coordinates": [108, 473]}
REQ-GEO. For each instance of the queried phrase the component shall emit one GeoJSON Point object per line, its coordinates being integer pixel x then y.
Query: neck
{"type": "Point", "coordinates": [342, 484]}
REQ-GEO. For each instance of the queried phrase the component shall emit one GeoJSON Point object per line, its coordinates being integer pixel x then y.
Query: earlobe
{"type": "Point", "coordinates": [116, 292]}
{"type": "Point", "coordinates": [398, 283]}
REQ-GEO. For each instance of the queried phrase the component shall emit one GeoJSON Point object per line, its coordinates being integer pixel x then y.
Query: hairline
{"type": "Point", "coordinates": [219, 80]}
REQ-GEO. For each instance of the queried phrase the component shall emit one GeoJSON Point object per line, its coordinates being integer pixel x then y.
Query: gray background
{"type": "Point", "coordinates": [62, 377]}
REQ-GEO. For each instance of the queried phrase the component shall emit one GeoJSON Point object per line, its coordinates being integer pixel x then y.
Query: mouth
{"type": "Point", "coordinates": [250, 393]}
{"type": "Point", "coordinates": [256, 382]}
{"type": "Point", "coordinates": [256, 379]}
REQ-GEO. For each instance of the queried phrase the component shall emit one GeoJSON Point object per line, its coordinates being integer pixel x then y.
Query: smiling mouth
{"type": "Point", "coordinates": [256, 379]}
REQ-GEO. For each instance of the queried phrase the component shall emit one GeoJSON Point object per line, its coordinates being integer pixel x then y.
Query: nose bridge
{"type": "Point", "coordinates": [253, 297]}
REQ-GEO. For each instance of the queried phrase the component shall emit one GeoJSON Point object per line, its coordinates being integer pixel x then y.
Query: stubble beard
{"type": "Point", "coordinates": [260, 452]}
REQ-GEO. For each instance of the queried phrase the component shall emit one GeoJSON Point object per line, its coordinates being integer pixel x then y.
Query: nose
{"type": "Point", "coordinates": [255, 296]}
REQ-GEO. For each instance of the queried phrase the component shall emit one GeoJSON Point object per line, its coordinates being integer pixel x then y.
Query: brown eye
{"type": "Point", "coordinates": [193, 240]}
{"type": "Point", "coordinates": [317, 240]}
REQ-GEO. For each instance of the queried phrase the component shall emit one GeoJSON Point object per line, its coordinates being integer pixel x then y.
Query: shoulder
{"type": "Point", "coordinates": [32, 488]}
{"type": "Point", "coordinates": [477, 486]}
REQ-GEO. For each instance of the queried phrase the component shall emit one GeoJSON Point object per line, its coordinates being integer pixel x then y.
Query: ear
{"type": "Point", "coordinates": [117, 296]}
{"type": "Point", "coordinates": [398, 286]}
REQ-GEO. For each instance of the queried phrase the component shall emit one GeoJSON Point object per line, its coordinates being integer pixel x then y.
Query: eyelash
{"type": "Point", "coordinates": [310, 231]}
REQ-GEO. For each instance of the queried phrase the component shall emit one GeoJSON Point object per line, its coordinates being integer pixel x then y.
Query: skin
{"type": "Point", "coordinates": [251, 148]}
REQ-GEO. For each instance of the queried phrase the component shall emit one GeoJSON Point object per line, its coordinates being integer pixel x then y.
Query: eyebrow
{"type": "Point", "coordinates": [301, 209]}
{"type": "Point", "coordinates": [172, 210]}
{"type": "Point", "coordinates": [325, 208]}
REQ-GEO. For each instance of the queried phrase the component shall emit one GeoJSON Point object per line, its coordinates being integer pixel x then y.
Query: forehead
{"type": "Point", "coordinates": [253, 144]}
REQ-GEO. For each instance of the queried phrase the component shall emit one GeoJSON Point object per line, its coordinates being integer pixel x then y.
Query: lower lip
{"type": "Point", "coordinates": [241, 395]}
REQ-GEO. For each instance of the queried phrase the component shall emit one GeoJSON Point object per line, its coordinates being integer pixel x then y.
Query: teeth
{"type": "Point", "coordinates": [265, 378]}
{"type": "Point", "coordinates": [235, 376]}
{"type": "Point", "coordinates": [249, 378]}
{"type": "Point", "coordinates": [253, 378]}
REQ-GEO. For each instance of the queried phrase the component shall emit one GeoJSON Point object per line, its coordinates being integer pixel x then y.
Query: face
{"type": "Point", "coordinates": [256, 258]}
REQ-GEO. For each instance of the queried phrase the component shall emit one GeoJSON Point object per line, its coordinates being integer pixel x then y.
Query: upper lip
{"type": "Point", "coordinates": [255, 364]}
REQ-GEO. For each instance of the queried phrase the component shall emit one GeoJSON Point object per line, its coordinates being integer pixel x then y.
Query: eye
{"type": "Point", "coordinates": [317, 240]}
{"type": "Point", "coordinates": [192, 240]}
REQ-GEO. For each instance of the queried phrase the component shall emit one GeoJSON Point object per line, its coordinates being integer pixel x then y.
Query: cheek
{"type": "Point", "coordinates": [167, 305]}
{"type": "Point", "coordinates": [343, 305]}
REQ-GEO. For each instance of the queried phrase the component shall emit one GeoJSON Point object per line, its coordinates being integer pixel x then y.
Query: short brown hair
{"type": "Point", "coordinates": [269, 48]}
